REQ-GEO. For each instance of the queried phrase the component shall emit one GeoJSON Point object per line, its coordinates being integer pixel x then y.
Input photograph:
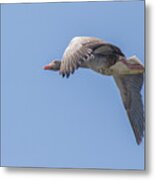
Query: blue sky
{"type": "Point", "coordinates": [80, 122]}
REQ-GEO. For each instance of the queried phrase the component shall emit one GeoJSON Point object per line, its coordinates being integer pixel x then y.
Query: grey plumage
{"type": "Point", "coordinates": [88, 52]}
{"type": "Point", "coordinates": [130, 87]}
{"type": "Point", "coordinates": [108, 59]}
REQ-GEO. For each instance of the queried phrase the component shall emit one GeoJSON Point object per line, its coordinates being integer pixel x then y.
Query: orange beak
{"type": "Point", "coordinates": [47, 67]}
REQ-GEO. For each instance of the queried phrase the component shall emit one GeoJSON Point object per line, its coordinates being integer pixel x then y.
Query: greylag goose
{"type": "Point", "coordinates": [107, 59]}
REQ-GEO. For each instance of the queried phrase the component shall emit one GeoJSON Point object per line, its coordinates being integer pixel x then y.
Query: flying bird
{"type": "Point", "coordinates": [107, 59]}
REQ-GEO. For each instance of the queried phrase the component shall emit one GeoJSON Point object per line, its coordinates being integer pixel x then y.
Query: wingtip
{"type": "Point", "coordinates": [139, 142]}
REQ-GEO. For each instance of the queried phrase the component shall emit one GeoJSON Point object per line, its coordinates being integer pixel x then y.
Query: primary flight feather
{"type": "Point", "coordinates": [108, 59]}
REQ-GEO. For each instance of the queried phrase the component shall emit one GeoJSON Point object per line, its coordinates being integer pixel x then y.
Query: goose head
{"type": "Point", "coordinates": [54, 65]}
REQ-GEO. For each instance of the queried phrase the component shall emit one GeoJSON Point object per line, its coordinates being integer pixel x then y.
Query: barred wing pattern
{"type": "Point", "coordinates": [108, 59]}
{"type": "Point", "coordinates": [82, 50]}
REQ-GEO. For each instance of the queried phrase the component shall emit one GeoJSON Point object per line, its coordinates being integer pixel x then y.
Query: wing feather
{"type": "Point", "coordinates": [83, 49]}
{"type": "Point", "coordinates": [130, 87]}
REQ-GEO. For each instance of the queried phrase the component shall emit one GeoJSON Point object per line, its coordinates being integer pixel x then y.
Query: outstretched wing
{"type": "Point", "coordinates": [83, 49]}
{"type": "Point", "coordinates": [130, 87]}
{"type": "Point", "coordinates": [79, 51]}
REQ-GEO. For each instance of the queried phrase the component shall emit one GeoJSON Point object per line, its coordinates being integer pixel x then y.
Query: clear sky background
{"type": "Point", "coordinates": [80, 122]}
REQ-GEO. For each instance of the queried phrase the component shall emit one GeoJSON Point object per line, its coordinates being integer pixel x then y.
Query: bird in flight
{"type": "Point", "coordinates": [107, 59]}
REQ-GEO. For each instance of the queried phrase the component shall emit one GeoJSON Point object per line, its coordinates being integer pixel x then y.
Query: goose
{"type": "Point", "coordinates": [107, 59]}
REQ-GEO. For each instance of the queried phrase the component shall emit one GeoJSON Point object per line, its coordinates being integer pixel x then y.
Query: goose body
{"type": "Point", "coordinates": [89, 52]}
{"type": "Point", "coordinates": [107, 59]}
